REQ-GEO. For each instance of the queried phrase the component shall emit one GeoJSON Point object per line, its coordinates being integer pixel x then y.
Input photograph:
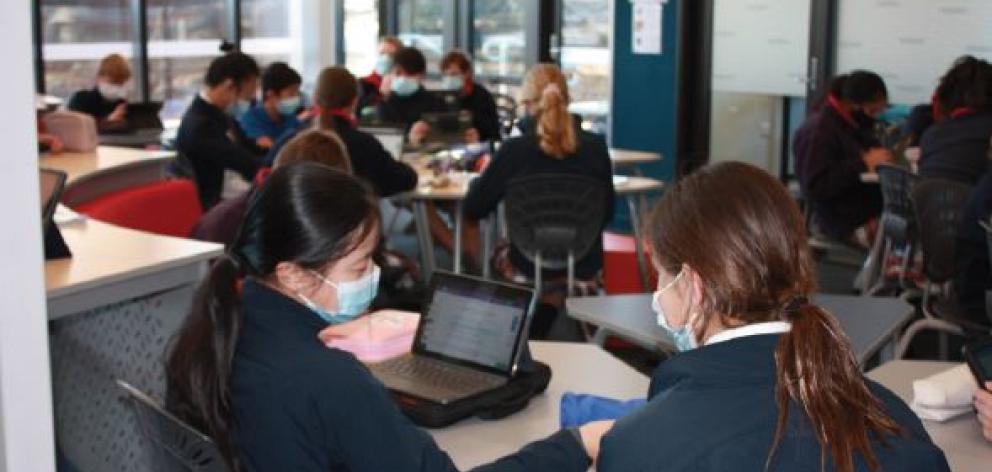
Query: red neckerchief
{"type": "Point", "coordinates": [374, 78]}
{"type": "Point", "coordinates": [261, 175]}
{"type": "Point", "coordinates": [935, 109]}
{"type": "Point", "coordinates": [468, 88]}
{"type": "Point", "coordinates": [343, 113]}
{"type": "Point", "coordinates": [962, 111]}
{"type": "Point", "coordinates": [834, 103]}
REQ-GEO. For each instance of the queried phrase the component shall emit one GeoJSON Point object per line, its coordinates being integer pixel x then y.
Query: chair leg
{"type": "Point", "coordinates": [925, 324]}
{"type": "Point", "coordinates": [571, 275]}
{"type": "Point", "coordinates": [537, 274]}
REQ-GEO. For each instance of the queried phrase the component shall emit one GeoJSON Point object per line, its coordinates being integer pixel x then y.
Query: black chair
{"type": "Point", "coordinates": [939, 206]}
{"type": "Point", "coordinates": [896, 229]}
{"type": "Point", "coordinates": [176, 445]}
{"type": "Point", "coordinates": [554, 219]}
{"type": "Point", "coordinates": [987, 226]}
{"type": "Point", "coordinates": [506, 110]}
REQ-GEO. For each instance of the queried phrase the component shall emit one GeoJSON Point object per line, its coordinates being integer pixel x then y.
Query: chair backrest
{"type": "Point", "coordinates": [939, 207]}
{"type": "Point", "coordinates": [898, 220]}
{"type": "Point", "coordinates": [76, 130]}
{"type": "Point", "coordinates": [506, 110]}
{"type": "Point", "coordinates": [176, 445]}
{"type": "Point", "coordinates": [169, 208]}
{"type": "Point", "coordinates": [555, 214]}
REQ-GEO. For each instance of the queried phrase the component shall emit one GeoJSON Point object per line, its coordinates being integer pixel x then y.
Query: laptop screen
{"type": "Point", "coordinates": [473, 321]}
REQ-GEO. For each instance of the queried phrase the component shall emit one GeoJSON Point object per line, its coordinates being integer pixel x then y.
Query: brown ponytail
{"type": "Point", "coordinates": [545, 85]}
{"type": "Point", "coordinates": [741, 233]}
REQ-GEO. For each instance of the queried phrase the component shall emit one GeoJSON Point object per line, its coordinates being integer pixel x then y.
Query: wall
{"type": "Point", "coordinates": [26, 430]}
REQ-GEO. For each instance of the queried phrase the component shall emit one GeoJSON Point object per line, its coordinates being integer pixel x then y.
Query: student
{"type": "Point", "coordinates": [834, 147]}
{"type": "Point", "coordinates": [972, 275]}
{"type": "Point", "coordinates": [369, 96]}
{"type": "Point", "coordinates": [558, 146]}
{"type": "Point", "coordinates": [458, 77]}
{"type": "Point", "coordinates": [404, 98]}
{"type": "Point", "coordinates": [248, 368]}
{"type": "Point", "coordinates": [765, 379]}
{"type": "Point", "coordinates": [276, 114]}
{"type": "Point", "coordinates": [107, 101]}
{"type": "Point", "coordinates": [220, 224]}
{"type": "Point", "coordinates": [336, 98]}
{"type": "Point", "coordinates": [209, 138]}
{"type": "Point", "coordinates": [956, 147]}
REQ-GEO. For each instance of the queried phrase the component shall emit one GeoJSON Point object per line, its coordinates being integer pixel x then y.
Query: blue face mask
{"type": "Point", "coordinates": [404, 86]}
{"type": "Point", "coordinates": [453, 83]}
{"type": "Point", "coordinates": [685, 339]}
{"type": "Point", "coordinates": [383, 64]}
{"type": "Point", "coordinates": [288, 106]}
{"type": "Point", "coordinates": [239, 108]}
{"type": "Point", "coordinates": [354, 297]}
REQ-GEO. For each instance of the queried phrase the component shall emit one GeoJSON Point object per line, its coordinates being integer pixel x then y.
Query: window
{"type": "Point", "coordinates": [361, 35]}
{"type": "Point", "coordinates": [421, 25]}
{"type": "Point", "coordinates": [183, 37]}
{"type": "Point", "coordinates": [498, 37]}
{"type": "Point", "coordinates": [265, 30]}
{"type": "Point", "coordinates": [585, 54]}
{"type": "Point", "coordinates": [76, 35]}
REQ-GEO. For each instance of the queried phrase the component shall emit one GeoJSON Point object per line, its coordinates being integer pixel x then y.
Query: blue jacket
{"type": "Point", "coordinates": [257, 123]}
{"type": "Point", "coordinates": [957, 148]}
{"type": "Point", "coordinates": [713, 409]}
{"type": "Point", "coordinates": [303, 407]}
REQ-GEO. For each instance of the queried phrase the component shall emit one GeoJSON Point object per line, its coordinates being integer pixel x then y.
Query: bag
{"type": "Point", "coordinates": [77, 131]}
{"type": "Point", "coordinates": [532, 379]}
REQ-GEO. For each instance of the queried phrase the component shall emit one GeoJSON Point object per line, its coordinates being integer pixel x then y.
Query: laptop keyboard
{"type": "Point", "coordinates": [439, 374]}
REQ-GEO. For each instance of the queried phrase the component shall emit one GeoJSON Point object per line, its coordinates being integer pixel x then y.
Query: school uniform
{"type": "Point", "coordinates": [973, 275]}
{"type": "Point", "coordinates": [302, 406]}
{"type": "Point", "coordinates": [371, 162]}
{"type": "Point", "coordinates": [257, 123]}
{"type": "Point", "coordinates": [213, 142]}
{"type": "Point", "coordinates": [957, 148]}
{"type": "Point", "coordinates": [522, 156]}
{"type": "Point", "coordinates": [368, 93]}
{"type": "Point", "coordinates": [93, 103]}
{"type": "Point", "coordinates": [481, 103]}
{"type": "Point", "coordinates": [828, 150]}
{"type": "Point", "coordinates": [408, 110]}
{"type": "Point", "coordinates": [713, 409]}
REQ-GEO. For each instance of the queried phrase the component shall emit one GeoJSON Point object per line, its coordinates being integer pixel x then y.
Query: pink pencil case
{"type": "Point", "coordinates": [375, 337]}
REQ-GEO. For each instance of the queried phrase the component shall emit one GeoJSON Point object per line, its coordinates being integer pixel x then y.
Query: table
{"type": "Point", "coordinates": [106, 170]}
{"type": "Point", "coordinates": [961, 438]}
{"type": "Point", "coordinates": [580, 368]}
{"type": "Point", "coordinates": [628, 158]}
{"type": "Point", "coordinates": [871, 323]}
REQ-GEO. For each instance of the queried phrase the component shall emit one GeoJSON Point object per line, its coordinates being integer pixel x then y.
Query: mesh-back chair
{"type": "Point", "coordinates": [175, 445]}
{"type": "Point", "coordinates": [987, 226]}
{"type": "Point", "coordinates": [897, 226]}
{"type": "Point", "coordinates": [506, 110]}
{"type": "Point", "coordinates": [939, 205]}
{"type": "Point", "coordinates": [554, 219]}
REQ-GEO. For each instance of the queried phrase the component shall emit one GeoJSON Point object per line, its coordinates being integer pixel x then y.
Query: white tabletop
{"type": "Point", "coordinates": [626, 157]}
{"type": "Point", "coordinates": [83, 165]}
{"type": "Point", "coordinates": [580, 368]}
{"type": "Point", "coordinates": [868, 321]}
{"type": "Point", "coordinates": [961, 438]}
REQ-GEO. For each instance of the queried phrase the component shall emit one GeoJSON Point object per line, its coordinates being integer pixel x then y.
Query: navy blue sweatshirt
{"type": "Point", "coordinates": [973, 275]}
{"type": "Point", "coordinates": [713, 409]}
{"type": "Point", "coordinates": [93, 103]}
{"type": "Point", "coordinates": [408, 110]}
{"type": "Point", "coordinates": [957, 148]}
{"type": "Point", "coordinates": [372, 162]}
{"type": "Point", "coordinates": [303, 407]}
{"type": "Point", "coordinates": [485, 119]}
{"type": "Point", "coordinates": [213, 142]}
{"type": "Point", "coordinates": [522, 156]}
{"type": "Point", "coordinates": [828, 153]}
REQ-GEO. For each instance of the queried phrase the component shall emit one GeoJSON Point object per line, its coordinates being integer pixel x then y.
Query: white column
{"type": "Point", "coordinates": [312, 37]}
{"type": "Point", "coordinates": [26, 430]}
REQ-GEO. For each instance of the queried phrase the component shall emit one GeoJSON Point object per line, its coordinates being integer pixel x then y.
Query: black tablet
{"type": "Point", "coordinates": [979, 357]}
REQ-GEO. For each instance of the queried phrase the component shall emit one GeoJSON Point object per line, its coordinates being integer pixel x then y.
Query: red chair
{"type": "Point", "coordinates": [620, 266]}
{"type": "Point", "coordinates": [169, 208]}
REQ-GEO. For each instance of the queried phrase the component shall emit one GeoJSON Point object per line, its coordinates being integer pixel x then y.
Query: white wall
{"type": "Point", "coordinates": [313, 42]}
{"type": "Point", "coordinates": [911, 43]}
{"type": "Point", "coordinates": [26, 431]}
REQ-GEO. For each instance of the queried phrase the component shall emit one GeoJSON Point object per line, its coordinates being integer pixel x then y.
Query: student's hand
{"type": "Point", "coordinates": [472, 136]}
{"type": "Point", "coordinates": [418, 132]}
{"type": "Point", "coordinates": [264, 142]}
{"type": "Point", "coordinates": [592, 433]}
{"type": "Point", "coordinates": [875, 156]}
{"type": "Point", "coordinates": [983, 407]}
{"type": "Point", "coordinates": [385, 87]}
{"type": "Point", "coordinates": [119, 113]}
{"type": "Point", "coordinates": [53, 142]}
{"type": "Point", "coordinates": [306, 114]}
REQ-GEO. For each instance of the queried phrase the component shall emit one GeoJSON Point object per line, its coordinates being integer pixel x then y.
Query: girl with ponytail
{"type": "Point", "coordinates": [248, 368]}
{"type": "Point", "coordinates": [551, 143]}
{"type": "Point", "coordinates": [766, 380]}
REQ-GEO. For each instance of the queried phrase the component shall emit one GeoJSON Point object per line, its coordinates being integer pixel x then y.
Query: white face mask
{"type": "Point", "coordinates": [684, 337]}
{"type": "Point", "coordinates": [112, 92]}
{"type": "Point", "coordinates": [354, 298]}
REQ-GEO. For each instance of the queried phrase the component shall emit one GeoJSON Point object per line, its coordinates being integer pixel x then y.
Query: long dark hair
{"type": "Point", "coordinates": [968, 84]}
{"type": "Point", "coordinates": [859, 87]}
{"type": "Point", "coordinates": [305, 213]}
{"type": "Point", "coordinates": [737, 228]}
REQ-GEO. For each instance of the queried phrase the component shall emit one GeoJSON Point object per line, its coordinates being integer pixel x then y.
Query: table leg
{"type": "Point", "coordinates": [599, 338]}
{"type": "Point", "coordinates": [424, 238]}
{"type": "Point", "coordinates": [459, 219]}
{"type": "Point", "coordinates": [635, 223]}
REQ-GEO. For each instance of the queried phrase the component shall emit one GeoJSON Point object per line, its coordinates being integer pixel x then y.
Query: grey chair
{"type": "Point", "coordinates": [555, 219]}
{"type": "Point", "coordinates": [939, 207]}
{"type": "Point", "coordinates": [176, 447]}
{"type": "Point", "coordinates": [896, 229]}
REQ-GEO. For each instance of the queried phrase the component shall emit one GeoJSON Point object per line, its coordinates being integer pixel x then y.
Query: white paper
{"type": "Point", "coordinates": [646, 26]}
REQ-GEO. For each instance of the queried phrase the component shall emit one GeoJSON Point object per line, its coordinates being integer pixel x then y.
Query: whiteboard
{"type": "Point", "coordinates": [911, 43]}
{"type": "Point", "coordinates": [761, 46]}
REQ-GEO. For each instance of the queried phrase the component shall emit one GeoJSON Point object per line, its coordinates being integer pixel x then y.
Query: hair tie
{"type": "Point", "coordinates": [796, 304]}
